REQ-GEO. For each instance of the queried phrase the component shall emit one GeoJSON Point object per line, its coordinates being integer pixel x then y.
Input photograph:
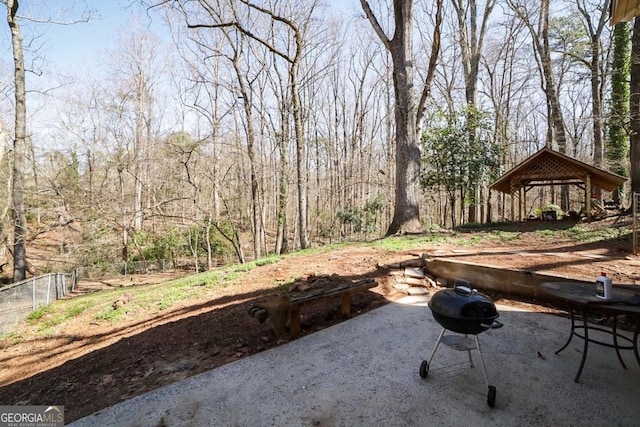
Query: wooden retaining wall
{"type": "Point", "coordinates": [516, 282]}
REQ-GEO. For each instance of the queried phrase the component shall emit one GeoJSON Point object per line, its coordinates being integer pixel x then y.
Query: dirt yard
{"type": "Point", "coordinates": [90, 365]}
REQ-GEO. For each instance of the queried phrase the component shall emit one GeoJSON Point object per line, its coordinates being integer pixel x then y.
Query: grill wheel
{"type": "Point", "coordinates": [424, 369]}
{"type": "Point", "coordinates": [491, 396]}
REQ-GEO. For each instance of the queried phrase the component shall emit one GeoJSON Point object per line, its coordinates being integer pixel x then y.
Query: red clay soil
{"type": "Point", "coordinates": [90, 365]}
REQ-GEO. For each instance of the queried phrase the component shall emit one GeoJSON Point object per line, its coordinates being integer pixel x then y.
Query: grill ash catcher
{"type": "Point", "coordinates": [466, 312]}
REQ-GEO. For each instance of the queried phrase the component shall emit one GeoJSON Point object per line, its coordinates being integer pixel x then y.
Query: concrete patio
{"type": "Point", "coordinates": [365, 372]}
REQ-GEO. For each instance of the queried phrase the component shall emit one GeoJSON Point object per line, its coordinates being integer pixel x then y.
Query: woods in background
{"type": "Point", "coordinates": [265, 127]}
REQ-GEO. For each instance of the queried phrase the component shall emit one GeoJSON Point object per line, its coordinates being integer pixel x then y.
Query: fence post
{"type": "Point", "coordinates": [49, 289]}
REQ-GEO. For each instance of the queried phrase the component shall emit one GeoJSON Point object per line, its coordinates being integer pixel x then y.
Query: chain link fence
{"type": "Point", "coordinates": [116, 269]}
{"type": "Point", "coordinates": [18, 300]}
{"type": "Point", "coordinates": [148, 267]}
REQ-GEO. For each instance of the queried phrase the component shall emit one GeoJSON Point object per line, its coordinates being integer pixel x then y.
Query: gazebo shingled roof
{"type": "Point", "coordinates": [549, 167]}
{"type": "Point", "coordinates": [624, 10]}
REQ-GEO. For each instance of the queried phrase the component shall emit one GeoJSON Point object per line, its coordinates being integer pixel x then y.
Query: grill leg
{"type": "Point", "coordinates": [469, 353]}
{"type": "Point", "coordinates": [433, 352]}
{"type": "Point", "coordinates": [484, 369]}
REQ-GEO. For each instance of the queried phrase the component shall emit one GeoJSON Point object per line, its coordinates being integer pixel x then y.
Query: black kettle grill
{"type": "Point", "coordinates": [465, 311]}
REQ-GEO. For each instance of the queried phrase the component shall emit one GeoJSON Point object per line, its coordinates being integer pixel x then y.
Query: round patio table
{"type": "Point", "coordinates": [581, 300]}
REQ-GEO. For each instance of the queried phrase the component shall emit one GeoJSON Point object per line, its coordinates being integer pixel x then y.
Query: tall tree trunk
{"type": "Point", "coordinates": [406, 217]}
{"type": "Point", "coordinates": [596, 105]}
{"type": "Point", "coordinates": [550, 86]}
{"type": "Point", "coordinates": [301, 147]}
{"type": "Point", "coordinates": [251, 153]}
{"type": "Point", "coordinates": [471, 40]}
{"type": "Point", "coordinates": [123, 218]}
{"type": "Point", "coordinates": [406, 214]}
{"type": "Point", "coordinates": [207, 238]}
{"type": "Point", "coordinates": [617, 149]}
{"type": "Point", "coordinates": [19, 146]}
{"type": "Point", "coordinates": [634, 101]}
{"type": "Point", "coordinates": [282, 239]}
{"type": "Point", "coordinates": [595, 34]}
{"type": "Point", "coordinates": [139, 155]}
{"type": "Point", "coordinates": [540, 37]}
{"type": "Point", "coordinates": [543, 52]}
{"type": "Point", "coordinates": [294, 86]}
{"type": "Point", "coordinates": [431, 71]}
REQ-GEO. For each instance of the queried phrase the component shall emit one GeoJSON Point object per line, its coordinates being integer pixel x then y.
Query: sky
{"type": "Point", "coordinates": [83, 44]}
{"type": "Point", "coordinates": [80, 45]}
{"type": "Point", "coordinates": [66, 47]}
{"type": "Point", "coordinates": [77, 49]}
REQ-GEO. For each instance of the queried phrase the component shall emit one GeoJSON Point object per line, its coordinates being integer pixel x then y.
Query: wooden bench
{"type": "Point", "coordinates": [343, 292]}
{"type": "Point", "coordinates": [285, 309]}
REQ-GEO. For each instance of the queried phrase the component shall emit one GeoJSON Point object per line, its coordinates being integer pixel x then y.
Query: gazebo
{"type": "Point", "coordinates": [548, 168]}
{"type": "Point", "coordinates": [624, 10]}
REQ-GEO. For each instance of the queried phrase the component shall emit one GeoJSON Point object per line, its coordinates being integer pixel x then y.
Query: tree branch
{"type": "Point", "coordinates": [246, 32]}
{"type": "Point", "coordinates": [375, 24]}
{"type": "Point", "coordinates": [431, 70]}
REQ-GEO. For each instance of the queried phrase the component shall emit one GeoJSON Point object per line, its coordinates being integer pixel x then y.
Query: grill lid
{"type": "Point", "coordinates": [462, 302]}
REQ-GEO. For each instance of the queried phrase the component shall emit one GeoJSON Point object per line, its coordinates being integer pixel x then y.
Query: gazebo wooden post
{"type": "Point", "coordinates": [513, 202]}
{"type": "Point", "coordinates": [520, 193]}
{"type": "Point", "coordinates": [587, 195]}
{"type": "Point", "coordinates": [524, 203]}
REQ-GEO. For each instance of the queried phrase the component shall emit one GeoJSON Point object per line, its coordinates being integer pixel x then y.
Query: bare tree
{"type": "Point", "coordinates": [501, 85]}
{"type": "Point", "coordinates": [535, 16]}
{"type": "Point", "coordinates": [233, 49]}
{"type": "Point", "coordinates": [138, 67]}
{"type": "Point", "coordinates": [281, 130]}
{"type": "Point", "coordinates": [291, 52]}
{"type": "Point", "coordinates": [406, 217]}
{"type": "Point", "coordinates": [471, 40]}
{"type": "Point", "coordinates": [19, 145]}
{"type": "Point", "coordinates": [244, 85]}
{"type": "Point", "coordinates": [634, 102]}
{"type": "Point", "coordinates": [201, 90]}
{"type": "Point", "coordinates": [594, 19]}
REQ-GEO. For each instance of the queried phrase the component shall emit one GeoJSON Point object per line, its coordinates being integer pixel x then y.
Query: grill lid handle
{"type": "Point", "coordinates": [463, 290]}
{"type": "Point", "coordinates": [462, 287]}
